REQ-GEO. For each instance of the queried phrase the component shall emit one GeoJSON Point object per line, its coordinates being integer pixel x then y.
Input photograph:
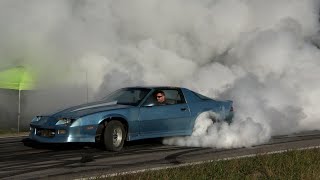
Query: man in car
{"type": "Point", "coordinates": [160, 97]}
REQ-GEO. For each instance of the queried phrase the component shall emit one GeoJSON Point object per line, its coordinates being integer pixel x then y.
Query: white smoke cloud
{"type": "Point", "coordinates": [241, 133]}
{"type": "Point", "coordinates": [257, 53]}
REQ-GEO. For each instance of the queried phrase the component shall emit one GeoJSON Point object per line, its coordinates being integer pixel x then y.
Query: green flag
{"type": "Point", "coordinates": [18, 78]}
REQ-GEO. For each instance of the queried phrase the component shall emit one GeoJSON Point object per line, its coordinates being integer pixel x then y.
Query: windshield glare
{"type": "Point", "coordinates": [127, 96]}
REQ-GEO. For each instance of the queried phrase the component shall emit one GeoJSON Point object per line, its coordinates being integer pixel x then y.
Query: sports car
{"type": "Point", "coordinates": [128, 114]}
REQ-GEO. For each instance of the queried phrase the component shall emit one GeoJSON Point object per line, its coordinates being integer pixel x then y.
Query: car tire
{"type": "Point", "coordinates": [114, 136]}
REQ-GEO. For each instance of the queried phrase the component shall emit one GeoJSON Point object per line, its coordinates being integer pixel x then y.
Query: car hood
{"type": "Point", "coordinates": [90, 108]}
{"type": "Point", "coordinates": [49, 121]}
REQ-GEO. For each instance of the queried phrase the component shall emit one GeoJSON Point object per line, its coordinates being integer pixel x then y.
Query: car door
{"type": "Point", "coordinates": [170, 119]}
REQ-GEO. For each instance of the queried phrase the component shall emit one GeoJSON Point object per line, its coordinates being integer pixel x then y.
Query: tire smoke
{"type": "Point", "coordinates": [261, 54]}
{"type": "Point", "coordinates": [208, 132]}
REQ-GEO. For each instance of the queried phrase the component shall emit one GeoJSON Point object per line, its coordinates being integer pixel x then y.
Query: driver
{"type": "Point", "coordinates": [160, 97]}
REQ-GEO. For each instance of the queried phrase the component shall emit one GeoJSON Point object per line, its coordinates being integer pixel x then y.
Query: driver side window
{"type": "Point", "coordinates": [170, 97]}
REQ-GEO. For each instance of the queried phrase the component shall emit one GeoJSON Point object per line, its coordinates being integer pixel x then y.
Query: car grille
{"type": "Point", "coordinates": [45, 132]}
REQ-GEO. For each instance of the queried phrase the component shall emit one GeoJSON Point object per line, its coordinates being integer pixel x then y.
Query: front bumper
{"type": "Point", "coordinates": [63, 135]}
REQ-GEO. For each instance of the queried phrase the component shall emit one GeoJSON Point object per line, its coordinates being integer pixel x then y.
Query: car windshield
{"type": "Point", "coordinates": [127, 96]}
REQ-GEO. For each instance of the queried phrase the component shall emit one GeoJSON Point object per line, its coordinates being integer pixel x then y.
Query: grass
{"type": "Point", "coordinates": [295, 164]}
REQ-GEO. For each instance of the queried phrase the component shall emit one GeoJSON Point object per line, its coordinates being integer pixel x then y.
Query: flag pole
{"type": "Point", "coordinates": [19, 110]}
{"type": "Point", "coordinates": [87, 85]}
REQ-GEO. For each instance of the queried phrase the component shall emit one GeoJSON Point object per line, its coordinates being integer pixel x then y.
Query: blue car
{"type": "Point", "coordinates": [128, 114]}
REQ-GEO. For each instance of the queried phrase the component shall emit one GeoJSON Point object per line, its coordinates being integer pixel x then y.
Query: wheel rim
{"type": "Point", "coordinates": [117, 136]}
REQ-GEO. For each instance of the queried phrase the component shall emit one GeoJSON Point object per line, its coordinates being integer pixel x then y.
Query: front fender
{"type": "Point", "coordinates": [113, 116]}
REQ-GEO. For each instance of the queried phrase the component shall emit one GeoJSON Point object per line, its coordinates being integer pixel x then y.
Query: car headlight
{"type": "Point", "coordinates": [36, 119]}
{"type": "Point", "coordinates": [64, 121]}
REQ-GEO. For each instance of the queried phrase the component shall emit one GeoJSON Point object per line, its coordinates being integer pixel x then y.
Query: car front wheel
{"type": "Point", "coordinates": [114, 136]}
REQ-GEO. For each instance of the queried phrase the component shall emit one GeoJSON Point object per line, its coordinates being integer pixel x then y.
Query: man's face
{"type": "Point", "coordinates": [160, 98]}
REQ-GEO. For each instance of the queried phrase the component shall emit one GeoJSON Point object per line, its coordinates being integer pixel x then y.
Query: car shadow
{"type": "Point", "coordinates": [154, 142]}
{"type": "Point", "coordinates": [144, 141]}
{"type": "Point", "coordinates": [56, 146]}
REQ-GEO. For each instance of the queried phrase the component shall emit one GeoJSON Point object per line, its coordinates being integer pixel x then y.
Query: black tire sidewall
{"type": "Point", "coordinates": [108, 137]}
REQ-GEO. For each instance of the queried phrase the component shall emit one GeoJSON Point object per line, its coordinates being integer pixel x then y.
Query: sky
{"type": "Point", "coordinates": [258, 53]}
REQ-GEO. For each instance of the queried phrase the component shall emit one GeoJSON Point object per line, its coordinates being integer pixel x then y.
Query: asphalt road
{"type": "Point", "coordinates": [19, 161]}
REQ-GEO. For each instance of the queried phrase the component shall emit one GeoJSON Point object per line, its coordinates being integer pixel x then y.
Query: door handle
{"type": "Point", "coordinates": [183, 109]}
